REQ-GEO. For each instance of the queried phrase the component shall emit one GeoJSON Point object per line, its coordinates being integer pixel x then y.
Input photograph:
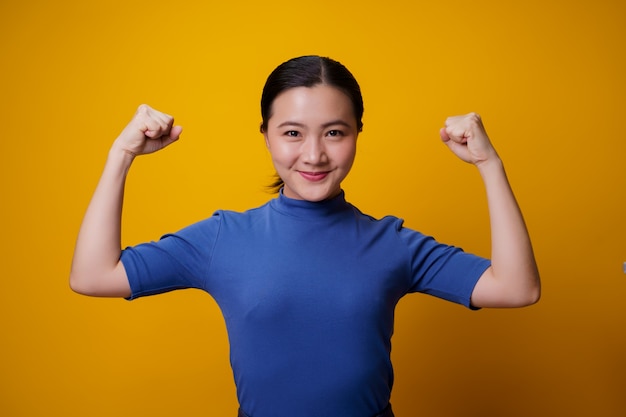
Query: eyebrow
{"type": "Point", "coordinates": [325, 125]}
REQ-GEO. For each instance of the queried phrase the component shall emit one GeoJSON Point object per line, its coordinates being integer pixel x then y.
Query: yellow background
{"type": "Point", "coordinates": [548, 77]}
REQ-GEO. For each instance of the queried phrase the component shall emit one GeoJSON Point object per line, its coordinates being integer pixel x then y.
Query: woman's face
{"type": "Point", "coordinates": [311, 136]}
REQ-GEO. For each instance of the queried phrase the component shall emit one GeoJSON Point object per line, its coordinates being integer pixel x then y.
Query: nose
{"type": "Point", "coordinates": [314, 151]}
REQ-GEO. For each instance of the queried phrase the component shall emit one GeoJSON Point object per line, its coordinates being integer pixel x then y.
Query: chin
{"type": "Point", "coordinates": [311, 195]}
{"type": "Point", "coordinates": [317, 198]}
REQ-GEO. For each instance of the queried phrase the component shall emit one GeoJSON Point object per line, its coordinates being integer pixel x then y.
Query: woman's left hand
{"type": "Point", "coordinates": [466, 137]}
{"type": "Point", "coordinates": [513, 279]}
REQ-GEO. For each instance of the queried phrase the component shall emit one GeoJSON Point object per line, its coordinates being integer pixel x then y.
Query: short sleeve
{"type": "Point", "coordinates": [176, 261]}
{"type": "Point", "coordinates": [441, 270]}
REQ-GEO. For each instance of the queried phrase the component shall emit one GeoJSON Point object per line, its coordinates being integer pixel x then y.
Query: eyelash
{"type": "Point", "coordinates": [332, 133]}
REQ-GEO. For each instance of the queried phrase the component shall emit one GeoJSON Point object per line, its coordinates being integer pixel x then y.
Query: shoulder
{"type": "Point", "coordinates": [391, 229]}
{"type": "Point", "coordinates": [395, 227]}
{"type": "Point", "coordinates": [217, 220]}
{"type": "Point", "coordinates": [389, 222]}
{"type": "Point", "coordinates": [234, 218]}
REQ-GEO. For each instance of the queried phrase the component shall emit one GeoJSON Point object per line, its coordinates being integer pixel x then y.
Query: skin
{"type": "Point", "coordinates": [311, 137]}
{"type": "Point", "coordinates": [513, 278]}
{"type": "Point", "coordinates": [96, 269]}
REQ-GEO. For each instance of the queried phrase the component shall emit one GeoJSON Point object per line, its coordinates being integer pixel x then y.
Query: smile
{"type": "Point", "coordinates": [313, 176]}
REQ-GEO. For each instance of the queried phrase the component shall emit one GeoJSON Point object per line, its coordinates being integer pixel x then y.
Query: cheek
{"type": "Point", "coordinates": [281, 153]}
{"type": "Point", "coordinates": [348, 154]}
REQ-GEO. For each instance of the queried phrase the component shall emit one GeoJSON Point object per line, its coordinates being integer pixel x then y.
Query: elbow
{"type": "Point", "coordinates": [518, 300]}
{"type": "Point", "coordinates": [83, 284]}
{"type": "Point", "coordinates": [534, 292]}
{"type": "Point", "coordinates": [532, 297]}
{"type": "Point", "coordinates": [528, 290]}
{"type": "Point", "coordinates": [529, 296]}
{"type": "Point", "coordinates": [536, 296]}
{"type": "Point", "coordinates": [78, 285]}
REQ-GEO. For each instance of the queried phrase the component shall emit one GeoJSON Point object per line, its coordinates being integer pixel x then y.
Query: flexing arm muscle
{"type": "Point", "coordinates": [96, 268]}
{"type": "Point", "coordinates": [513, 278]}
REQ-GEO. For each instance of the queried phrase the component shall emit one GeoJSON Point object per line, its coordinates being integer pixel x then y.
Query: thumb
{"type": "Point", "coordinates": [444, 134]}
{"type": "Point", "coordinates": [175, 132]}
{"type": "Point", "coordinates": [172, 137]}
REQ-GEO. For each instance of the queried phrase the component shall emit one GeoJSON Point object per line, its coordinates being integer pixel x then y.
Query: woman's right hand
{"type": "Point", "coordinates": [96, 267]}
{"type": "Point", "coordinates": [149, 131]}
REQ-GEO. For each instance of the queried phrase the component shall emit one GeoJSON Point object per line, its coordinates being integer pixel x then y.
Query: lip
{"type": "Point", "coordinates": [313, 176]}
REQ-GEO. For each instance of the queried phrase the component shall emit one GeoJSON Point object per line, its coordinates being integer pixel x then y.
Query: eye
{"type": "Point", "coordinates": [334, 133]}
{"type": "Point", "coordinates": [292, 133]}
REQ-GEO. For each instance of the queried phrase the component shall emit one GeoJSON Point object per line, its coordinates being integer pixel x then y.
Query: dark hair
{"type": "Point", "coordinates": [308, 71]}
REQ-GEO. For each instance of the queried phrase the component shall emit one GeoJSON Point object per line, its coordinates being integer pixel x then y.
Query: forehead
{"type": "Point", "coordinates": [317, 103]}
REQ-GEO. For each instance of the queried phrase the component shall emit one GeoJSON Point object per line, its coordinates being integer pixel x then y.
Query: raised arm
{"type": "Point", "coordinates": [96, 268]}
{"type": "Point", "coordinates": [513, 278]}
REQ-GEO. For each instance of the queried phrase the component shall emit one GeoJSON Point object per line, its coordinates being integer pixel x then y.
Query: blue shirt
{"type": "Point", "coordinates": [308, 292]}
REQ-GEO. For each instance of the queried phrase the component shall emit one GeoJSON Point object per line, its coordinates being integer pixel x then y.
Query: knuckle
{"type": "Point", "coordinates": [143, 108]}
{"type": "Point", "coordinates": [475, 117]}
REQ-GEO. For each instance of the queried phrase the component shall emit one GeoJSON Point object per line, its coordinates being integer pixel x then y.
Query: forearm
{"type": "Point", "coordinates": [98, 246]}
{"type": "Point", "coordinates": [513, 263]}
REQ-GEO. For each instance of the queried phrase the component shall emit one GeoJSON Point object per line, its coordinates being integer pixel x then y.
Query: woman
{"type": "Point", "coordinates": [307, 283]}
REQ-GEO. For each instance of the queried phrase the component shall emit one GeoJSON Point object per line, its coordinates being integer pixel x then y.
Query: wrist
{"type": "Point", "coordinates": [492, 169]}
{"type": "Point", "coordinates": [490, 165]}
{"type": "Point", "coordinates": [120, 157]}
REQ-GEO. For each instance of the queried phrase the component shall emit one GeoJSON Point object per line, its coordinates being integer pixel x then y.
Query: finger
{"type": "Point", "coordinates": [154, 129]}
{"type": "Point", "coordinates": [165, 120]}
{"type": "Point", "coordinates": [158, 125]}
{"type": "Point", "coordinates": [457, 133]}
{"type": "Point", "coordinates": [172, 137]}
{"type": "Point", "coordinates": [153, 123]}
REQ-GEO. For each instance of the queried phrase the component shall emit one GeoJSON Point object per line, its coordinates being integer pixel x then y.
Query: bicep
{"type": "Point", "coordinates": [494, 292]}
{"type": "Point", "coordinates": [113, 283]}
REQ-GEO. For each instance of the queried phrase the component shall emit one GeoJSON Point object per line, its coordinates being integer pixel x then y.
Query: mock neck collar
{"type": "Point", "coordinates": [310, 209]}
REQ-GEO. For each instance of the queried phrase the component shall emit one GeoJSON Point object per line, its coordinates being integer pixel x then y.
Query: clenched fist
{"type": "Point", "coordinates": [148, 131]}
{"type": "Point", "coordinates": [466, 137]}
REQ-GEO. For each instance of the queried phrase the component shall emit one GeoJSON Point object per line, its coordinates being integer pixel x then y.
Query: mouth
{"type": "Point", "coordinates": [314, 176]}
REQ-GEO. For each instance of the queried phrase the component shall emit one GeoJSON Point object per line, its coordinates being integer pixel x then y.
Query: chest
{"type": "Point", "coordinates": [309, 272]}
